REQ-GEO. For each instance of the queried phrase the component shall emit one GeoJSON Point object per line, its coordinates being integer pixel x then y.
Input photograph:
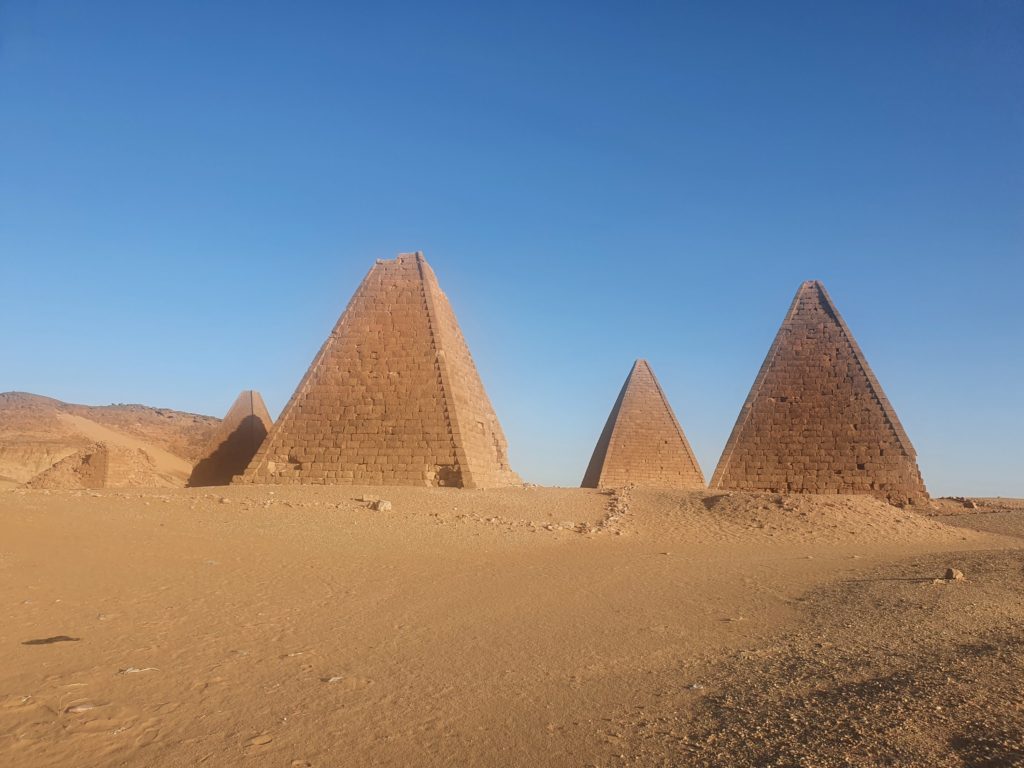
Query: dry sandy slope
{"type": "Point", "coordinates": [294, 625]}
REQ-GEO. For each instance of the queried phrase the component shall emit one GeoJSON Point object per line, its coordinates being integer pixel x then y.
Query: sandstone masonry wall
{"type": "Point", "coordinates": [816, 419]}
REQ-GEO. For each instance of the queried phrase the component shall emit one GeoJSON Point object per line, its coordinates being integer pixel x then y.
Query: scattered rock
{"type": "Point", "coordinates": [74, 709]}
{"type": "Point", "coordinates": [382, 505]}
{"type": "Point", "coordinates": [963, 500]}
{"type": "Point", "coordinates": [953, 574]}
{"type": "Point", "coordinates": [225, 500]}
{"type": "Point", "coordinates": [135, 670]}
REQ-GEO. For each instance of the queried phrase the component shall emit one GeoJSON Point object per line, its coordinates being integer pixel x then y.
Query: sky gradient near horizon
{"type": "Point", "coordinates": [190, 192]}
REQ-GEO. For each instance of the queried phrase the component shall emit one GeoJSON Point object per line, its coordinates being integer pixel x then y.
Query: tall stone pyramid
{"type": "Point", "coordinates": [392, 398]}
{"type": "Point", "coordinates": [816, 419]}
{"type": "Point", "coordinates": [642, 443]}
{"type": "Point", "coordinates": [235, 442]}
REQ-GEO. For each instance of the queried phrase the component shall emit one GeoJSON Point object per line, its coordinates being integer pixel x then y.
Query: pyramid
{"type": "Point", "coordinates": [392, 398]}
{"type": "Point", "coordinates": [235, 443]}
{"type": "Point", "coordinates": [642, 443]}
{"type": "Point", "coordinates": [105, 465]}
{"type": "Point", "coordinates": [816, 419]}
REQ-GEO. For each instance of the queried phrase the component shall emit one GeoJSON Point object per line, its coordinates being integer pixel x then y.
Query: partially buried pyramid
{"type": "Point", "coordinates": [816, 419]}
{"type": "Point", "coordinates": [642, 443]}
{"type": "Point", "coordinates": [107, 465]}
{"type": "Point", "coordinates": [392, 398]}
{"type": "Point", "coordinates": [235, 442]}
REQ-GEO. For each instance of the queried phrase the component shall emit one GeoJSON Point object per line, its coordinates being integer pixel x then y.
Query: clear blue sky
{"type": "Point", "coordinates": [191, 191]}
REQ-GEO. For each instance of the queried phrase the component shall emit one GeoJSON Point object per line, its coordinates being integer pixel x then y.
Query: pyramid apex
{"type": "Point", "coordinates": [416, 256]}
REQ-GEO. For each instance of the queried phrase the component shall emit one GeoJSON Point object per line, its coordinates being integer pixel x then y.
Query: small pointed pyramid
{"type": "Point", "coordinates": [642, 443]}
{"type": "Point", "coordinates": [392, 398]}
{"type": "Point", "coordinates": [235, 443]}
{"type": "Point", "coordinates": [816, 419]}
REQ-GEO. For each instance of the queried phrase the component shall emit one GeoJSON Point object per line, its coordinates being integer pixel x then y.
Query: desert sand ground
{"type": "Point", "coordinates": [297, 627]}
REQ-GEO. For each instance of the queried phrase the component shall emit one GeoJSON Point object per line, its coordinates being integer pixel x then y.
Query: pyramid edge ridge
{"type": "Point", "coordinates": [741, 419]}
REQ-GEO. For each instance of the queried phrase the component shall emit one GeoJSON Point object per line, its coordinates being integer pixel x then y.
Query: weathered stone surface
{"type": "Point", "coordinates": [392, 398]}
{"type": "Point", "coordinates": [642, 443]}
{"type": "Point", "coordinates": [816, 419]}
{"type": "Point", "coordinates": [235, 443]}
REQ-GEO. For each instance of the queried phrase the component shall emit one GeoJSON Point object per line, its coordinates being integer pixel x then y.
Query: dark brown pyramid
{"type": "Point", "coordinates": [392, 398]}
{"type": "Point", "coordinates": [816, 419]}
{"type": "Point", "coordinates": [235, 442]}
{"type": "Point", "coordinates": [642, 443]}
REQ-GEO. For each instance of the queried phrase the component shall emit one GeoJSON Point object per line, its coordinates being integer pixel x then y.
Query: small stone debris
{"type": "Point", "coordinates": [382, 505]}
{"type": "Point", "coordinates": [75, 709]}
{"type": "Point", "coordinates": [954, 574]}
{"type": "Point", "coordinates": [225, 500]}
{"type": "Point", "coordinates": [136, 670]}
{"type": "Point", "coordinates": [963, 500]}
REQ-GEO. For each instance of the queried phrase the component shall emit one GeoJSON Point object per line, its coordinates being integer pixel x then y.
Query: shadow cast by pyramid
{"type": "Point", "coordinates": [231, 456]}
{"type": "Point", "coordinates": [240, 435]}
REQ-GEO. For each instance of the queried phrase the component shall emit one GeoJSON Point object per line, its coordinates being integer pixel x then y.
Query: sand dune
{"type": "Point", "coordinates": [522, 626]}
